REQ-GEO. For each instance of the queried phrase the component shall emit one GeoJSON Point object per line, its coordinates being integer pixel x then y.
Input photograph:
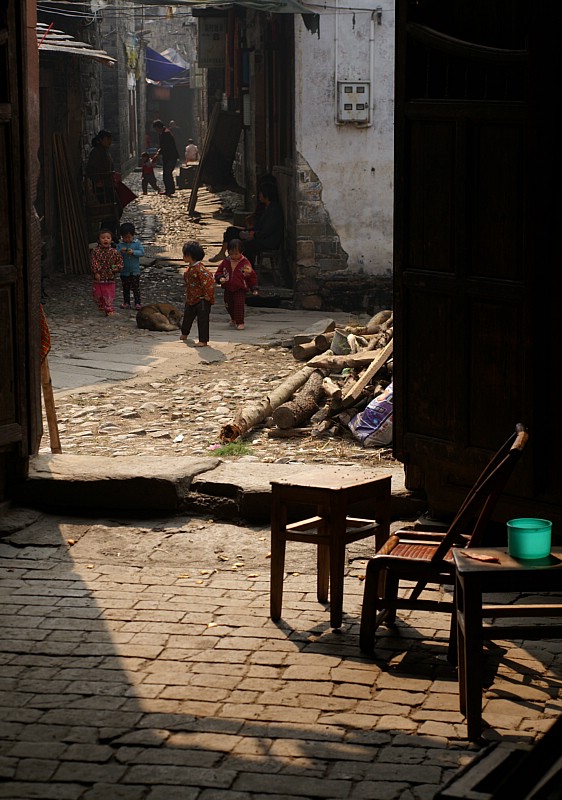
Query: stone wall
{"type": "Point", "coordinates": [323, 277]}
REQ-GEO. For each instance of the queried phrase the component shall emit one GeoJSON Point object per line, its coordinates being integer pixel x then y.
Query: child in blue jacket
{"type": "Point", "coordinates": [131, 249]}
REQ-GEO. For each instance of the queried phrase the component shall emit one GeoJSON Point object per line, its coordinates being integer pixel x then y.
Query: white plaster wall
{"type": "Point", "coordinates": [354, 165]}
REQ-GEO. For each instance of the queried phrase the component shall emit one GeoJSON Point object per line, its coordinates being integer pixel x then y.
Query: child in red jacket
{"type": "Point", "coordinates": [237, 277]}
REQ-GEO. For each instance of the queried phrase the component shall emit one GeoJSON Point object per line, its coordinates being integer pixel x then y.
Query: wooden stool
{"type": "Point", "coordinates": [332, 492]}
{"type": "Point", "coordinates": [275, 259]}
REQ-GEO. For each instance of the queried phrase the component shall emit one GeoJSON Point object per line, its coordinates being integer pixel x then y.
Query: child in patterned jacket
{"type": "Point", "coordinates": [237, 277]}
{"type": "Point", "coordinates": [105, 263]}
{"type": "Point", "coordinates": [199, 293]}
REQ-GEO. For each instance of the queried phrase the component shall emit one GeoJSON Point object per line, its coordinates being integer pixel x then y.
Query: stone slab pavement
{"type": "Point", "coordinates": [118, 360]}
{"type": "Point", "coordinates": [77, 484]}
{"type": "Point", "coordinates": [129, 671]}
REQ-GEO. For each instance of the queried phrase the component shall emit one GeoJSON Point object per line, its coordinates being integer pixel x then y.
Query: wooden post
{"type": "Point", "coordinates": [50, 410]}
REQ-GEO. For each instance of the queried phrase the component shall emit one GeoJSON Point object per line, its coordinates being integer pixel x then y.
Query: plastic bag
{"type": "Point", "coordinates": [373, 426]}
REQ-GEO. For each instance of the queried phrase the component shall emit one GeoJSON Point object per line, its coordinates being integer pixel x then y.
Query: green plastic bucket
{"type": "Point", "coordinates": [529, 538]}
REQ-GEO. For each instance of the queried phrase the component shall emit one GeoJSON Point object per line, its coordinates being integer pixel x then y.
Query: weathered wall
{"type": "Point", "coordinates": [118, 26]}
{"type": "Point", "coordinates": [344, 176]}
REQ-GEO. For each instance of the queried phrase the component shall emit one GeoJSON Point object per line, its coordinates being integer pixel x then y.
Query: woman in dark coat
{"type": "Point", "coordinates": [265, 234]}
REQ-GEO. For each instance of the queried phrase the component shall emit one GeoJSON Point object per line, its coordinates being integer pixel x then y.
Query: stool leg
{"type": "Point", "coordinates": [323, 572]}
{"type": "Point", "coordinates": [337, 565]}
{"type": "Point", "coordinates": [277, 567]}
{"type": "Point", "coordinates": [381, 512]}
{"type": "Point", "coordinates": [322, 556]}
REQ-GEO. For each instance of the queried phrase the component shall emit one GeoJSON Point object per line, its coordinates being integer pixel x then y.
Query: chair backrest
{"type": "Point", "coordinates": [480, 502]}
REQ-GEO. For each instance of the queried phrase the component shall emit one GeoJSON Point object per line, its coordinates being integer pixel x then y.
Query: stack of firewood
{"type": "Point", "coordinates": [345, 369]}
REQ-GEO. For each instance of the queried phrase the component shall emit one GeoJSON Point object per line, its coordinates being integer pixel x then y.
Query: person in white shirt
{"type": "Point", "coordinates": [191, 152]}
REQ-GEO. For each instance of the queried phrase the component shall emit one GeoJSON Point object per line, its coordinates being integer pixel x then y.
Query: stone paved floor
{"type": "Point", "coordinates": [135, 674]}
{"type": "Point", "coordinates": [135, 679]}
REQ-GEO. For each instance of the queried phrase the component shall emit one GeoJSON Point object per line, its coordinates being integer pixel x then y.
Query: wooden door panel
{"type": "Point", "coordinates": [497, 199]}
{"type": "Point", "coordinates": [496, 347]}
{"type": "Point", "coordinates": [431, 195]}
{"type": "Point", "coordinates": [10, 430]}
{"type": "Point", "coordinates": [476, 237]}
{"type": "Point", "coordinates": [430, 400]}
{"type": "Point", "coordinates": [462, 313]}
{"type": "Point", "coordinates": [20, 401]}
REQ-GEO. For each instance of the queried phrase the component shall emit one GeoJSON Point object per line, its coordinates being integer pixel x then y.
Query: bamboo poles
{"type": "Point", "coordinates": [73, 234]}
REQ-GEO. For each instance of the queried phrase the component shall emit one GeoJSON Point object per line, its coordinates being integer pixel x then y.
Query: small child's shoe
{"type": "Point", "coordinates": [240, 327]}
{"type": "Point", "coordinates": [138, 306]}
{"type": "Point", "coordinates": [124, 305]}
{"type": "Point", "coordinates": [232, 324]}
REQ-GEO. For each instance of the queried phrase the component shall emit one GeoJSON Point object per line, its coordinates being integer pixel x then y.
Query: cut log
{"type": "Point", "coordinates": [251, 415]}
{"type": "Point", "coordinates": [377, 323]}
{"type": "Point", "coordinates": [302, 352]}
{"type": "Point", "coordinates": [332, 390]}
{"type": "Point", "coordinates": [379, 339]}
{"type": "Point", "coordinates": [383, 356]}
{"type": "Point", "coordinates": [332, 363]}
{"type": "Point", "coordinates": [324, 341]}
{"type": "Point", "coordinates": [301, 407]}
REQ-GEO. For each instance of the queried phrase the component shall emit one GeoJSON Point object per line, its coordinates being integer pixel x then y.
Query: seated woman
{"type": "Point", "coordinates": [265, 234]}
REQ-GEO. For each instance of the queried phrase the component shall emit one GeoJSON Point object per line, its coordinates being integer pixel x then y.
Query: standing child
{"type": "Point", "coordinates": [148, 178]}
{"type": "Point", "coordinates": [236, 275]}
{"type": "Point", "coordinates": [131, 249]}
{"type": "Point", "coordinates": [105, 263]}
{"type": "Point", "coordinates": [199, 293]}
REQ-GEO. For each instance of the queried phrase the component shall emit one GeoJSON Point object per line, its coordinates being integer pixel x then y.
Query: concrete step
{"type": "Point", "coordinates": [134, 487]}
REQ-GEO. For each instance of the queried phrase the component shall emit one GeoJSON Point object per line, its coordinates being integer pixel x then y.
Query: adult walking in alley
{"type": "Point", "coordinates": [168, 151]}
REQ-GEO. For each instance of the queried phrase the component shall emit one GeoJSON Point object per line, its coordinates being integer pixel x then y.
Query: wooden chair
{"type": "Point", "coordinates": [426, 557]}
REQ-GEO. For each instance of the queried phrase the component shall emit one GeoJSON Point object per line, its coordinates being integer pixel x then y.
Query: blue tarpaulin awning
{"type": "Point", "coordinates": [161, 70]}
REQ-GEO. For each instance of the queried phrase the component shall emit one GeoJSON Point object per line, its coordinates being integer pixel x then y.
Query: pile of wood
{"type": "Point", "coordinates": [345, 369]}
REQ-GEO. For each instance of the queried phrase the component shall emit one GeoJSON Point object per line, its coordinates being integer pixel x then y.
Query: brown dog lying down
{"type": "Point", "coordinates": [159, 317]}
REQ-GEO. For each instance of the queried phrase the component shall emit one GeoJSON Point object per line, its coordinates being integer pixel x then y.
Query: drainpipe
{"type": "Point", "coordinates": [336, 62]}
{"type": "Point", "coordinates": [376, 17]}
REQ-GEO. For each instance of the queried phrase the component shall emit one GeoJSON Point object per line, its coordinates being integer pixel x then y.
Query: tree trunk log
{"type": "Point", "coordinates": [324, 341]}
{"type": "Point", "coordinates": [302, 352]}
{"type": "Point", "coordinates": [251, 415]}
{"type": "Point", "coordinates": [302, 407]}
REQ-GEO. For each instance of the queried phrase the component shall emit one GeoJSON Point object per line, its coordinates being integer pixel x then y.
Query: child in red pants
{"type": "Point", "coordinates": [237, 277]}
{"type": "Point", "coordinates": [105, 263]}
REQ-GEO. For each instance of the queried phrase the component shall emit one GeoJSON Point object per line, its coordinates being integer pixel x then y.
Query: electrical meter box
{"type": "Point", "coordinates": [353, 101]}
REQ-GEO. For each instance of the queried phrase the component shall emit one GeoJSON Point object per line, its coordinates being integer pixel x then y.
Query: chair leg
{"type": "Point", "coordinates": [369, 610]}
{"type": "Point", "coordinates": [390, 595]}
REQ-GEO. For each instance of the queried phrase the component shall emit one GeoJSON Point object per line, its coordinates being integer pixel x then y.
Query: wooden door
{"type": "Point", "coordinates": [20, 408]}
{"type": "Point", "coordinates": [472, 208]}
